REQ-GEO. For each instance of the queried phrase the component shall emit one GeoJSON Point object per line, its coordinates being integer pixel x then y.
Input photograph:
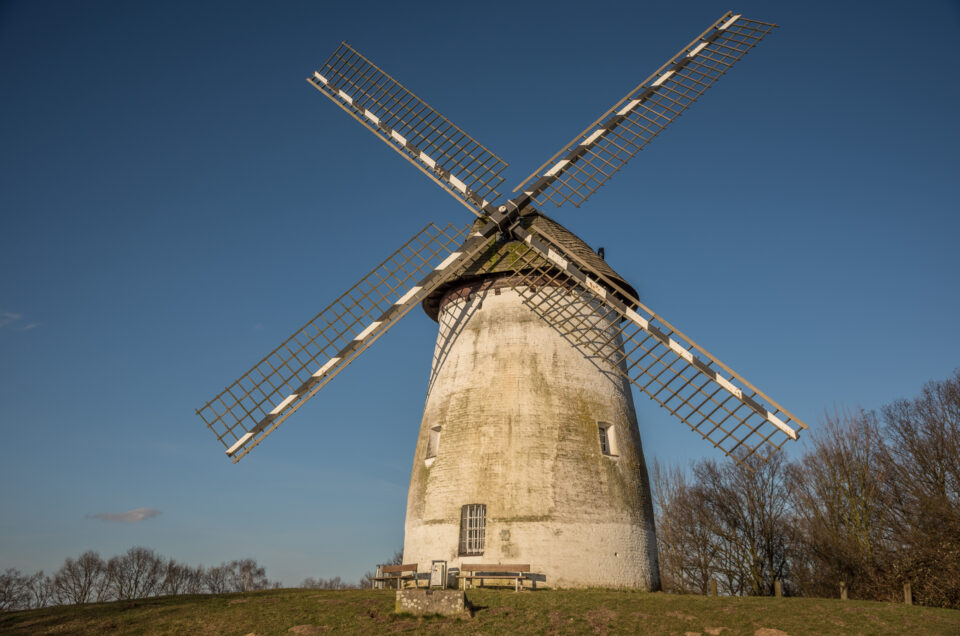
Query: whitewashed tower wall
{"type": "Point", "coordinates": [512, 421]}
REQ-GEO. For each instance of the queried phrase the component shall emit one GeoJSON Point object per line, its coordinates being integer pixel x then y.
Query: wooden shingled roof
{"type": "Point", "coordinates": [499, 258]}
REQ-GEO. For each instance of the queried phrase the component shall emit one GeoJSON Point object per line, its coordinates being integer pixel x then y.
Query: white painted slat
{"type": "Point", "coordinates": [639, 320]}
{"type": "Point", "coordinates": [678, 349]}
{"type": "Point", "coordinates": [726, 25]}
{"type": "Point", "coordinates": [554, 170]}
{"type": "Point", "coordinates": [697, 49]}
{"type": "Point", "coordinates": [726, 384]}
{"type": "Point", "coordinates": [410, 294]}
{"type": "Point", "coordinates": [556, 258]}
{"type": "Point", "coordinates": [240, 442]}
{"type": "Point", "coordinates": [663, 78]}
{"type": "Point", "coordinates": [446, 262]}
{"type": "Point", "coordinates": [626, 109]}
{"type": "Point", "coordinates": [286, 401]}
{"type": "Point", "coordinates": [366, 332]}
{"type": "Point", "coordinates": [458, 184]}
{"type": "Point", "coordinates": [776, 421]}
{"type": "Point", "coordinates": [592, 138]}
{"type": "Point", "coordinates": [326, 367]}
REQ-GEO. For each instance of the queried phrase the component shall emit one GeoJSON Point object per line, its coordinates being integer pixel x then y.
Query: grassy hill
{"type": "Point", "coordinates": [495, 611]}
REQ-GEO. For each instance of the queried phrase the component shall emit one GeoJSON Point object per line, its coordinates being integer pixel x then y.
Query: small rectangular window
{"type": "Point", "coordinates": [473, 529]}
{"type": "Point", "coordinates": [608, 439]}
{"type": "Point", "coordinates": [433, 443]}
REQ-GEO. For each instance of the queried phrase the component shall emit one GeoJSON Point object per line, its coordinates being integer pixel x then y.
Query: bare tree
{"type": "Point", "coordinates": [217, 579]}
{"type": "Point", "coordinates": [843, 509]}
{"type": "Point", "coordinates": [138, 573]}
{"type": "Point", "coordinates": [245, 576]}
{"type": "Point", "coordinates": [176, 578]}
{"type": "Point", "coordinates": [14, 590]}
{"type": "Point", "coordinates": [79, 581]}
{"type": "Point", "coordinates": [195, 583]}
{"type": "Point", "coordinates": [366, 581]}
{"type": "Point", "coordinates": [41, 590]}
{"type": "Point", "coordinates": [686, 545]}
{"type": "Point", "coordinates": [334, 583]}
{"type": "Point", "coordinates": [924, 482]}
{"type": "Point", "coordinates": [748, 509]}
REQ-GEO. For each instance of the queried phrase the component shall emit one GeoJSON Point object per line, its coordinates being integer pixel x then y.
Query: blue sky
{"type": "Point", "coordinates": [175, 200]}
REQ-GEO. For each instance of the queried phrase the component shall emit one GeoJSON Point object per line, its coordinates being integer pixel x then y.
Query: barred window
{"type": "Point", "coordinates": [473, 529]}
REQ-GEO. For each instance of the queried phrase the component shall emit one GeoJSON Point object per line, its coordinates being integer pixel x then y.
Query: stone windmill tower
{"type": "Point", "coordinates": [529, 449]}
{"type": "Point", "coordinates": [551, 473]}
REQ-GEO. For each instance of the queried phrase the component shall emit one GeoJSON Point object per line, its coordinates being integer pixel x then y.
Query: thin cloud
{"type": "Point", "coordinates": [12, 321]}
{"type": "Point", "coordinates": [131, 516]}
{"type": "Point", "coordinates": [8, 317]}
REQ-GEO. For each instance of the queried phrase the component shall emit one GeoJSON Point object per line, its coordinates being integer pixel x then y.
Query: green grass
{"type": "Point", "coordinates": [495, 612]}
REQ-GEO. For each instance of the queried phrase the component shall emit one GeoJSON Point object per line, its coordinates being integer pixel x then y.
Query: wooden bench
{"type": "Point", "coordinates": [507, 571]}
{"type": "Point", "coordinates": [397, 573]}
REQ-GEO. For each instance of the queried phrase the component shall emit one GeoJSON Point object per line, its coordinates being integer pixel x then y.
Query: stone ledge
{"type": "Point", "coordinates": [427, 602]}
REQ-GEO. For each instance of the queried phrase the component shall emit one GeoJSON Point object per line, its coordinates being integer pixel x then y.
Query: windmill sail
{"type": "Point", "coordinates": [256, 403]}
{"type": "Point", "coordinates": [446, 154]}
{"type": "Point", "coordinates": [580, 302]}
{"type": "Point", "coordinates": [599, 315]}
{"type": "Point", "coordinates": [592, 157]}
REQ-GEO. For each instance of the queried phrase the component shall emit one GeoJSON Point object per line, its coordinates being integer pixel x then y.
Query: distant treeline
{"type": "Point", "coordinates": [336, 583]}
{"type": "Point", "coordinates": [141, 573]}
{"type": "Point", "coordinates": [137, 573]}
{"type": "Point", "coordinates": [874, 503]}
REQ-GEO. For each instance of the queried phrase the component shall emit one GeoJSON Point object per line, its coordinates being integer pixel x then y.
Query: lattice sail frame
{"type": "Point", "coordinates": [440, 149]}
{"type": "Point", "coordinates": [248, 410]}
{"type": "Point", "coordinates": [605, 146]}
{"type": "Point", "coordinates": [696, 387]}
{"type": "Point", "coordinates": [673, 370]}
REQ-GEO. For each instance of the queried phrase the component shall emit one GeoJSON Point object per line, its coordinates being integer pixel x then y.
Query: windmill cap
{"type": "Point", "coordinates": [494, 267]}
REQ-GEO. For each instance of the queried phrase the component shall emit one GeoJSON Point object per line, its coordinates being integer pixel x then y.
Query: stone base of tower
{"type": "Point", "coordinates": [568, 555]}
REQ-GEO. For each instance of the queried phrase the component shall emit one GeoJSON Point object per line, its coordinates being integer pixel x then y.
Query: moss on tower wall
{"type": "Point", "coordinates": [518, 408]}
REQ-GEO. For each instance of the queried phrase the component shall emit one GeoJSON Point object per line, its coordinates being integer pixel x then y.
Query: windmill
{"type": "Point", "coordinates": [529, 448]}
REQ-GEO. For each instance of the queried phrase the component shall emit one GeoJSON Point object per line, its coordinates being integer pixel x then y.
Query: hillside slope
{"type": "Point", "coordinates": [548, 612]}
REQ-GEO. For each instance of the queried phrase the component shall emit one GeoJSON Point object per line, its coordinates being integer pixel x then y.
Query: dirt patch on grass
{"type": "Point", "coordinates": [600, 619]}
{"type": "Point", "coordinates": [769, 631]}
{"type": "Point", "coordinates": [404, 626]}
{"type": "Point", "coordinates": [682, 616]}
{"type": "Point", "coordinates": [714, 631]}
{"type": "Point", "coordinates": [555, 619]}
{"type": "Point", "coordinates": [307, 630]}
